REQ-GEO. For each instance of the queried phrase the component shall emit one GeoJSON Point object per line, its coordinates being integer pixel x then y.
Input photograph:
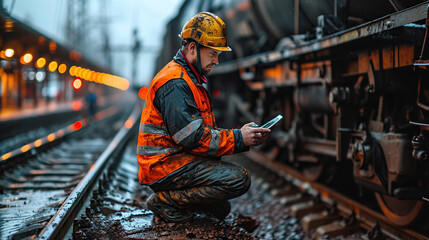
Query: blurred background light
{"type": "Point", "coordinates": [31, 75]}
{"type": "Point", "coordinates": [62, 68]}
{"type": "Point", "coordinates": [100, 31]}
{"type": "Point", "coordinates": [72, 71]}
{"type": "Point", "coordinates": [40, 76]}
{"type": "Point", "coordinates": [53, 66]}
{"type": "Point", "coordinates": [26, 58]}
{"type": "Point", "coordinates": [77, 83]}
{"type": "Point", "coordinates": [9, 52]}
{"type": "Point", "coordinates": [41, 62]}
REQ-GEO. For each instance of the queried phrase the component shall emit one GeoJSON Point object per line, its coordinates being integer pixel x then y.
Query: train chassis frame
{"type": "Point", "coordinates": [357, 95]}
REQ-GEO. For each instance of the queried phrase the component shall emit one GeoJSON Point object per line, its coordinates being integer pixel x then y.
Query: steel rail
{"type": "Point", "coordinates": [389, 22]}
{"type": "Point", "coordinates": [59, 224]}
{"type": "Point", "coordinates": [328, 195]}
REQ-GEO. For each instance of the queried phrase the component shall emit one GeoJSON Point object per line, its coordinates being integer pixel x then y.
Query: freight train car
{"type": "Point", "coordinates": [349, 77]}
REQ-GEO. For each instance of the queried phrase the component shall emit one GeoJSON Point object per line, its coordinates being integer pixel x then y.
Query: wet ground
{"type": "Point", "coordinates": [119, 211]}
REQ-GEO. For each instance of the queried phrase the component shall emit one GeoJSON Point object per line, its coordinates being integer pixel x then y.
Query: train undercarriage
{"type": "Point", "coordinates": [357, 97]}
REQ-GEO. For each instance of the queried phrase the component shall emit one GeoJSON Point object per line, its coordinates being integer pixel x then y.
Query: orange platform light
{"type": "Point", "coordinates": [41, 62]}
{"type": "Point", "coordinates": [53, 66]}
{"type": "Point", "coordinates": [52, 46]}
{"type": "Point", "coordinates": [85, 74]}
{"type": "Point", "coordinates": [77, 83]}
{"type": "Point", "coordinates": [100, 78]}
{"type": "Point", "coordinates": [6, 156]}
{"type": "Point", "coordinates": [26, 58]}
{"type": "Point", "coordinates": [72, 71]}
{"type": "Point", "coordinates": [128, 123]}
{"type": "Point", "coordinates": [90, 76]}
{"type": "Point", "coordinates": [25, 148]}
{"type": "Point", "coordinates": [51, 137]}
{"type": "Point", "coordinates": [79, 72]}
{"type": "Point", "coordinates": [115, 81]}
{"type": "Point", "coordinates": [38, 142]}
{"type": "Point", "coordinates": [95, 77]}
{"type": "Point", "coordinates": [62, 68]}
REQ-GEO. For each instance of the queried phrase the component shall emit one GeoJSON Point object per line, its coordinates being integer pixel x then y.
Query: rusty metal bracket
{"type": "Point", "coordinates": [371, 77]}
{"type": "Point", "coordinates": [423, 63]}
{"type": "Point", "coordinates": [426, 34]}
{"type": "Point", "coordinates": [421, 105]}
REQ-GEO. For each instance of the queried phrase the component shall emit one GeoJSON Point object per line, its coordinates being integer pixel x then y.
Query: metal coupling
{"type": "Point", "coordinates": [339, 95]}
{"type": "Point", "coordinates": [362, 154]}
{"type": "Point", "coordinates": [419, 152]}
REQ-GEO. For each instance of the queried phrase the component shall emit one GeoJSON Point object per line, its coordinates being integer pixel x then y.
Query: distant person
{"type": "Point", "coordinates": [90, 104]}
{"type": "Point", "coordinates": [179, 145]}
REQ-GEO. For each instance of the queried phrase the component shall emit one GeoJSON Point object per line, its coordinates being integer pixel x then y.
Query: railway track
{"type": "Point", "coordinates": [86, 187]}
{"type": "Point", "coordinates": [36, 179]}
{"type": "Point", "coordinates": [325, 212]}
{"type": "Point", "coordinates": [280, 205]}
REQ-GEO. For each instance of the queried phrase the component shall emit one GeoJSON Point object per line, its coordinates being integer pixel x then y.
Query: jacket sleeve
{"type": "Point", "coordinates": [174, 100]}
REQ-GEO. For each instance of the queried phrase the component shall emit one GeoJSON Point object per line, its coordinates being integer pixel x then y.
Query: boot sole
{"type": "Point", "coordinates": [162, 215]}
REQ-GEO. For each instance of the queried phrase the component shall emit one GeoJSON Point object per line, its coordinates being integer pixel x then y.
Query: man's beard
{"type": "Point", "coordinates": [204, 71]}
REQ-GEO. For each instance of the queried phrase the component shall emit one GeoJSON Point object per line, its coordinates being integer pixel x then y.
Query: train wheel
{"type": "Point", "coordinates": [318, 172]}
{"type": "Point", "coordinates": [400, 212]}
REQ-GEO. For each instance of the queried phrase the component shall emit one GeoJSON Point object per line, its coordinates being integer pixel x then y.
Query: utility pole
{"type": "Point", "coordinates": [82, 25]}
{"type": "Point", "coordinates": [75, 24]}
{"type": "Point", "coordinates": [135, 52]}
{"type": "Point", "coordinates": [135, 49]}
{"type": "Point", "coordinates": [78, 24]}
{"type": "Point", "coordinates": [105, 34]}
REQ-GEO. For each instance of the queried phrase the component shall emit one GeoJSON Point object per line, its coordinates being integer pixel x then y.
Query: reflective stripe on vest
{"type": "Point", "coordinates": [214, 143]}
{"type": "Point", "coordinates": [151, 151]}
{"type": "Point", "coordinates": [153, 129]}
{"type": "Point", "coordinates": [188, 130]}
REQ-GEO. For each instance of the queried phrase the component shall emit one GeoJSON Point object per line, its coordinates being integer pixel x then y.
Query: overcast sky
{"type": "Point", "coordinates": [149, 16]}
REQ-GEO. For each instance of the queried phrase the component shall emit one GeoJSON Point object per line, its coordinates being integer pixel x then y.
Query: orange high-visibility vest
{"type": "Point", "coordinates": [158, 153]}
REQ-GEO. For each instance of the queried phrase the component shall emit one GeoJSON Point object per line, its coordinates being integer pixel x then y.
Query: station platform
{"type": "Point", "coordinates": [43, 108]}
{"type": "Point", "coordinates": [46, 108]}
{"type": "Point", "coordinates": [17, 120]}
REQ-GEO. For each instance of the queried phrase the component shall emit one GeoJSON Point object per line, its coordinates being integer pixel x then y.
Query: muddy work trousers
{"type": "Point", "coordinates": [209, 181]}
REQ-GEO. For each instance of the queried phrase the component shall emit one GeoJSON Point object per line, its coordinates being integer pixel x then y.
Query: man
{"type": "Point", "coordinates": [90, 104]}
{"type": "Point", "coordinates": [179, 144]}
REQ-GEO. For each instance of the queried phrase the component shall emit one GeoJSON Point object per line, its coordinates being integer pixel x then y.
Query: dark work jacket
{"type": "Point", "coordinates": [178, 115]}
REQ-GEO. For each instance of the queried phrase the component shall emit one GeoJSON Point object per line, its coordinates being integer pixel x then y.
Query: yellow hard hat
{"type": "Point", "coordinates": [208, 30]}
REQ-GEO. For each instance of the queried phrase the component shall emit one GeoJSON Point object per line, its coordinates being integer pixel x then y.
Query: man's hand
{"type": "Point", "coordinates": [253, 136]}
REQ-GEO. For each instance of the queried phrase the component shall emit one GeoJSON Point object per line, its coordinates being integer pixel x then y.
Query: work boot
{"type": "Point", "coordinates": [166, 211]}
{"type": "Point", "coordinates": [219, 209]}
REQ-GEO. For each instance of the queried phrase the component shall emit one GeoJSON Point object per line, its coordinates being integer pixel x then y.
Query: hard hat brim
{"type": "Point", "coordinates": [223, 49]}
